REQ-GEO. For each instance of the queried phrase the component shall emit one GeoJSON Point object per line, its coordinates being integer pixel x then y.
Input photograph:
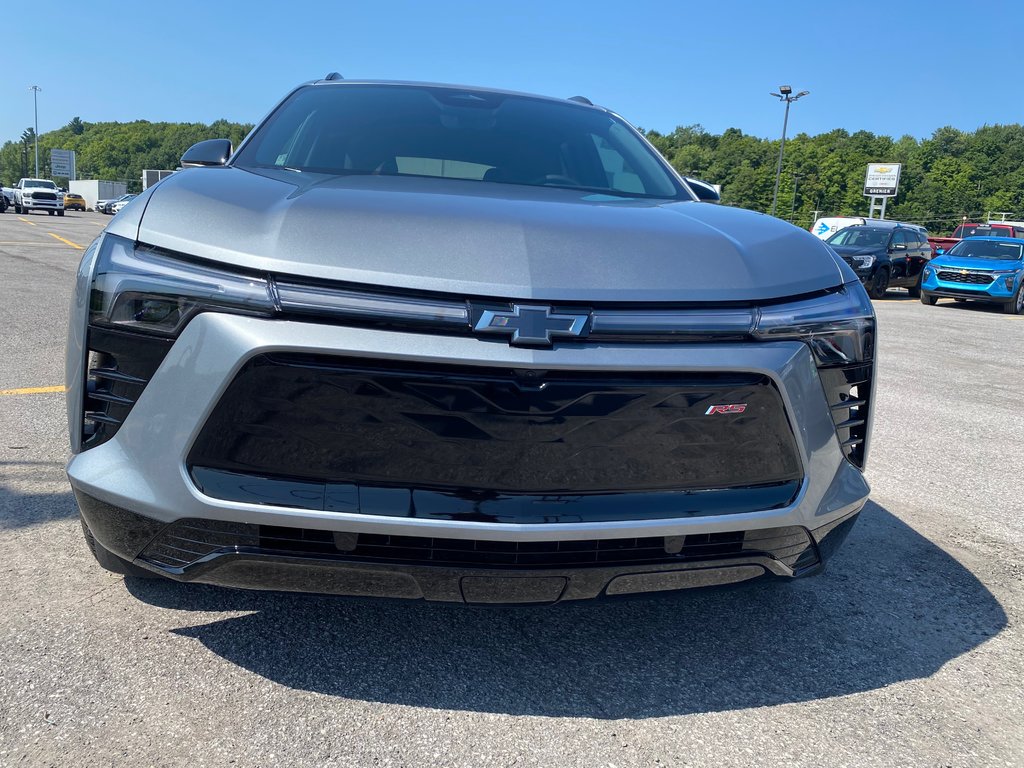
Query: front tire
{"type": "Point", "coordinates": [927, 298]}
{"type": "Point", "coordinates": [18, 209]}
{"type": "Point", "coordinates": [60, 213]}
{"type": "Point", "coordinates": [1015, 306]}
{"type": "Point", "coordinates": [879, 284]}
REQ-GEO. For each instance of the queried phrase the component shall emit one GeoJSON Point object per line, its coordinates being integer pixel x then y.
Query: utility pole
{"type": "Point", "coordinates": [784, 94]}
{"type": "Point", "coordinates": [35, 108]}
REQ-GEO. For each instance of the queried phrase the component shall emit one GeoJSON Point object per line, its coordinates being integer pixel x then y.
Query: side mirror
{"type": "Point", "coordinates": [206, 153]}
{"type": "Point", "coordinates": [706, 193]}
{"type": "Point", "coordinates": [939, 251]}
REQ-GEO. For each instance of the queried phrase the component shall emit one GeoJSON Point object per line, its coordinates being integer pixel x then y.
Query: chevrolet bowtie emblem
{"type": "Point", "coordinates": [531, 325]}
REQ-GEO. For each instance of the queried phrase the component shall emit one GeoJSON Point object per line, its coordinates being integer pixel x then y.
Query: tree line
{"type": "Point", "coordinates": [950, 175]}
{"type": "Point", "coordinates": [112, 151]}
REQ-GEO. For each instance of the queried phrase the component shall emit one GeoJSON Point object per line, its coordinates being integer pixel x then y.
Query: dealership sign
{"type": "Point", "coordinates": [882, 180]}
{"type": "Point", "coordinates": [62, 163]}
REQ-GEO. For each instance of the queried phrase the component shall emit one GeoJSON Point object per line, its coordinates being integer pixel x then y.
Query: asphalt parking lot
{"type": "Point", "coordinates": [908, 651]}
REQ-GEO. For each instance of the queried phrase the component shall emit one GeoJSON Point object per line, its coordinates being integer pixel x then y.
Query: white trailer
{"type": "Point", "coordinates": [93, 190]}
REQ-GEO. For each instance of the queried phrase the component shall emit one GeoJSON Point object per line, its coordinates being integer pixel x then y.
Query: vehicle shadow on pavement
{"type": "Point", "coordinates": [892, 607]}
{"type": "Point", "coordinates": [19, 509]}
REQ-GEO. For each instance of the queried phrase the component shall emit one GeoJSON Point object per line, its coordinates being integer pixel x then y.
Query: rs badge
{"type": "Point", "coordinates": [735, 408]}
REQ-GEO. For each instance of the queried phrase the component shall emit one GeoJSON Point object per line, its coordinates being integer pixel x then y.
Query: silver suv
{"type": "Point", "coordinates": [460, 344]}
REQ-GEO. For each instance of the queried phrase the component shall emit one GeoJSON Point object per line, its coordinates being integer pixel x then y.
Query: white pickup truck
{"type": "Point", "coordinates": [38, 194]}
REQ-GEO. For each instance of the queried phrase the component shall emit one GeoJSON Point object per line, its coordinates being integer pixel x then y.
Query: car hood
{"type": "Point", "coordinates": [972, 262]}
{"type": "Point", "coordinates": [478, 238]}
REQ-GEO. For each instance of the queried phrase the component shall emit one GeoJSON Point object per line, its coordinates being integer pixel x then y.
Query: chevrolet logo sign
{"type": "Point", "coordinates": [528, 325]}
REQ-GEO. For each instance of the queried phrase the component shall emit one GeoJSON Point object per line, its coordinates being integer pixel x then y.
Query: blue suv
{"type": "Point", "coordinates": [989, 269]}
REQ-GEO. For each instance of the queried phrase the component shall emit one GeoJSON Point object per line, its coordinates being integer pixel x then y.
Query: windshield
{"type": "Point", "coordinates": [982, 230]}
{"type": "Point", "coordinates": [399, 130]}
{"type": "Point", "coordinates": [986, 249]}
{"type": "Point", "coordinates": [860, 237]}
{"type": "Point", "coordinates": [43, 184]}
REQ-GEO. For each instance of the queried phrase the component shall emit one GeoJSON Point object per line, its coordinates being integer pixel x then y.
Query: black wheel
{"type": "Point", "coordinates": [112, 562]}
{"type": "Point", "coordinates": [915, 291]}
{"type": "Point", "coordinates": [51, 212]}
{"type": "Point", "coordinates": [1015, 306]}
{"type": "Point", "coordinates": [60, 213]}
{"type": "Point", "coordinates": [17, 208]}
{"type": "Point", "coordinates": [879, 284]}
{"type": "Point", "coordinates": [927, 298]}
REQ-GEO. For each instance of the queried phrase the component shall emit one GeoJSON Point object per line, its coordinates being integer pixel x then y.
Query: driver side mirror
{"type": "Point", "coordinates": [211, 152]}
{"type": "Point", "coordinates": [706, 193]}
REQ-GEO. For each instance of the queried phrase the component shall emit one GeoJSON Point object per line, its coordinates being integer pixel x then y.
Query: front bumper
{"type": "Point", "coordinates": [995, 291]}
{"type": "Point", "coordinates": [50, 205]}
{"type": "Point", "coordinates": [143, 470]}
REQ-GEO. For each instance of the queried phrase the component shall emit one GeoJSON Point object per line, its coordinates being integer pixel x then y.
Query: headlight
{"type": "Point", "coordinates": [928, 272]}
{"type": "Point", "coordinates": [864, 262]}
{"type": "Point", "coordinates": [839, 327]}
{"type": "Point", "coordinates": [145, 290]}
{"type": "Point", "coordinates": [141, 289]}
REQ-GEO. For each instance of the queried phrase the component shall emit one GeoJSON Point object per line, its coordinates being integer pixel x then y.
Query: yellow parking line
{"type": "Point", "coordinates": [76, 246]}
{"type": "Point", "coordinates": [27, 221]}
{"type": "Point", "coordinates": [32, 390]}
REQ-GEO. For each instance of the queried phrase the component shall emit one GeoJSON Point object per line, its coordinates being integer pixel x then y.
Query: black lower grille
{"type": "Point", "coordinates": [972, 278]}
{"type": "Point", "coordinates": [119, 365]}
{"type": "Point", "coordinates": [43, 196]}
{"type": "Point", "coordinates": [848, 390]}
{"type": "Point", "coordinates": [188, 541]}
{"type": "Point", "coordinates": [332, 420]}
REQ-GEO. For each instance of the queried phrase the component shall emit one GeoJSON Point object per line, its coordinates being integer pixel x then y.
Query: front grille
{"type": "Point", "coordinates": [43, 196]}
{"type": "Point", "coordinates": [333, 420]}
{"type": "Point", "coordinates": [972, 278]}
{"type": "Point", "coordinates": [848, 390]}
{"type": "Point", "coordinates": [188, 541]}
{"type": "Point", "coordinates": [119, 365]}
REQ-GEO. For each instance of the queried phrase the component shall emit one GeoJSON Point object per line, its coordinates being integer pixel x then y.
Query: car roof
{"type": "Point", "coordinates": [454, 87]}
{"type": "Point", "coordinates": [886, 224]}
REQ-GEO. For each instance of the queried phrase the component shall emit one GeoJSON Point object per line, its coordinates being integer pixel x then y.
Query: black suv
{"type": "Point", "coordinates": [884, 255]}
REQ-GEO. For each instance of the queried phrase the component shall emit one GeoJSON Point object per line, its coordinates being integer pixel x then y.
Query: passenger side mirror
{"type": "Point", "coordinates": [706, 193]}
{"type": "Point", "coordinates": [207, 153]}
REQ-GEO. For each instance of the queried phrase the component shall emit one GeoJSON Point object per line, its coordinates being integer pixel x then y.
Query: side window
{"type": "Point", "coordinates": [899, 237]}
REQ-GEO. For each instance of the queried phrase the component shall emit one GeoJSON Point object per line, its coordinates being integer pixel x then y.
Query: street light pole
{"type": "Point", "coordinates": [784, 94]}
{"type": "Point", "coordinates": [35, 109]}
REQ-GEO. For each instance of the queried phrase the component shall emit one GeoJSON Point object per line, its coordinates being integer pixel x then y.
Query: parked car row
{"type": "Point", "coordinates": [114, 205]}
{"type": "Point", "coordinates": [978, 267]}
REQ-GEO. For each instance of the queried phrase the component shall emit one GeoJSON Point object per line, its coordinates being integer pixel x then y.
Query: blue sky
{"type": "Point", "coordinates": [892, 68]}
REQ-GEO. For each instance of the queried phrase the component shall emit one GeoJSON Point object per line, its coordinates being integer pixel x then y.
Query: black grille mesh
{"type": "Point", "coordinates": [187, 541]}
{"type": "Point", "coordinates": [972, 278]}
